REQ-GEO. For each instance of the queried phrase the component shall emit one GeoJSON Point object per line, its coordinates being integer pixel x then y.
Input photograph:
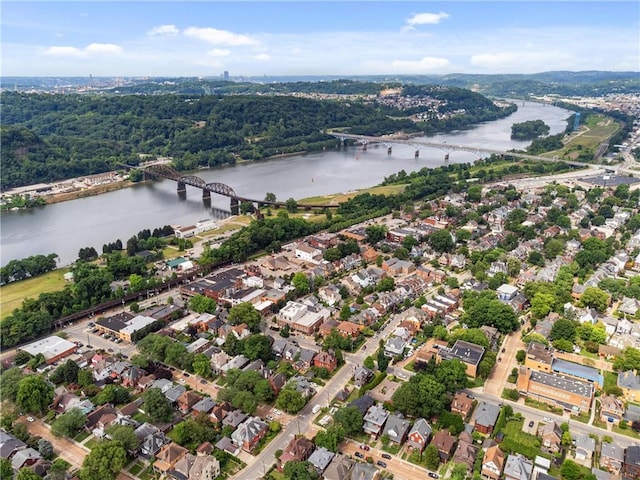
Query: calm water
{"type": "Point", "coordinates": [66, 227]}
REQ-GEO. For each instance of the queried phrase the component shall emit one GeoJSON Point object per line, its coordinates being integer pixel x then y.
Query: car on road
{"type": "Point", "coordinates": [433, 475]}
{"type": "Point", "coordinates": [382, 464]}
{"type": "Point", "coordinates": [110, 350]}
{"type": "Point", "coordinates": [182, 381]}
{"type": "Point", "coordinates": [315, 409]}
{"type": "Point", "coordinates": [359, 455]}
{"type": "Point", "coordinates": [186, 375]}
{"type": "Point", "coordinates": [203, 381]}
{"type": "Point", "coordinates": [30, 419]}
{"type": "Point", "coordinates": [387, 456]}
{"type": "Point", "coordinates": [547, 419]}
{"type": "Point", "coordinates": [531, 424]}
{"type": "Point", "coordinates": [365, 447]}
{"type": "Point", "coordinates": [269, 417]}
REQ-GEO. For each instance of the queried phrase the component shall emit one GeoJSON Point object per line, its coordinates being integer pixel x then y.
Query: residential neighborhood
{"type": "Point", "coordinates": [485, 334]}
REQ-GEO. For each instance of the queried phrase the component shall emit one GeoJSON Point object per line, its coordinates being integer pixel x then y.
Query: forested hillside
{"type": "Point", "coordinates": [47, 137]}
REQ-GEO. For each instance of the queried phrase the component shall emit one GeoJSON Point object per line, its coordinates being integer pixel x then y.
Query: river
{"type": "Point", "coordinates": [66, 227]}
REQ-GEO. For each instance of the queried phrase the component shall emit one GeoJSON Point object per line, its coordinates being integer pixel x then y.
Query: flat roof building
{"type": "Point", "coordinates": [555, 389]}
{"type": "Point", "coordinates": [53, 348]}
{"type": "Point", "coordinates": [468, 353]}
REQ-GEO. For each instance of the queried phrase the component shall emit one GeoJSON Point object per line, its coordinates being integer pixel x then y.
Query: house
{"type": "Point", "coordinates": [204, 406]}
{"type": "Point", "coordinates": [466, 451]}
{"type": "Point", "coordinates": [187, 400]}
{"type": "Point", "coordinates": [363, 403]}
{"type": "Point", "coordinates": [585, 447]}
{"type": "Point", "coordinates": [9, 445]}
{"type": "Point", "coordinates": [395, 346]}
{"type": "Point", "coordinates": [361, 376]}
{"type": "Point", "coordinates": [419, 435]}
{"type": "Point", "coordinates": [249, 433]}
{"type": "Point", "coordinates": [100, 419]}
{"type": "Point", "coordinates": [469, 353]}
{"type": "Point", "coordinates": [506, 292]}
{"type": "Point", "coordinates": [25, 458]}
{"type": "Point", "coordinates": [151, 440]}
{"type": "Point", "coordinates": [611, 409]}
{"type": "Point", "coordinates": [196, 467]}
{"type": "Point", "coordinates": [629, 382]}
{"type": "Point", "coordinates": [340, 468]}
{"type": "Point", "coordinates": [167, 458]}
{"type": "Point", "coordinates": [485, 417]}
{"type": "Point", "coordinates": [298, 450]}
{"type": "Point", "coordinates": [445, 443]}
{"type": "Point", "coordinates": [551, 437]}
{"type": "Point", "coordinates": [226, 445]}
{"type": "Point", "coordinates": [309, 254]}
{"type": "Point", "coordinates": [220, 411]}
{"type": "Point", "coordinates": [321, 458]}
{"type": "Point", "coordinates": [462, 404]}
{"type": "Point", "coordinates": [374, 420]}
{"type": "Point", "coordinates": [631, 466]}
{"type": "Point", "coordinates": [611, 457]}
{"type": "Point", "coordinates": [327, 360]}
{"type": "Point", "coordinates": [517, 467]}
{"type": "Point", "coordinates": [396, 428]}
{"type": "Point", "coordinates": [492, 463]}
{"type": "Point", "coordinates": [557, 390]}
{"type": "Point", "coordinates": [364, 471]}
{"type": "Point", "coordinates": [234, 418]}
{"type": "Point", "coordinates": [277, 381]}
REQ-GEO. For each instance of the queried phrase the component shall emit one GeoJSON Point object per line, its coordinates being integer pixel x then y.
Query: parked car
{"type": "Point", "coordinates": [531, 424]}
{"type": "Point", "coordinates": [359, 455]}
{"type": "Point", "coordinates": [433, 475]}
{"type": "Point", "coordinates": [387, 456]}
{"type": "Point", "coordinates": [381, 464]}
{"type": "Point", "coordinates": [30, 419]}
{"type": "Point", "coordinates": [365, 447]}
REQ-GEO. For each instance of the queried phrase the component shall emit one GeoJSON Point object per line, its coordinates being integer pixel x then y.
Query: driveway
{"type": "Point", "coordinates": [498, 378]}
{"type": "Point", "coordinates": [64, 448]}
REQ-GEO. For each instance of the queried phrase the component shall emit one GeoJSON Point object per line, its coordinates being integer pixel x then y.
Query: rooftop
{"type": "Point", "coordinates": [50, 347]}
{"type": "Point", "coordinates": [561, 382]}
{"type": "Point", "coordinates": [577, 370]}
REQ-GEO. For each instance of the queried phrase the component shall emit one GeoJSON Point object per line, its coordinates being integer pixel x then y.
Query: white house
{"type": "Point", "coordinates": [308, 254]}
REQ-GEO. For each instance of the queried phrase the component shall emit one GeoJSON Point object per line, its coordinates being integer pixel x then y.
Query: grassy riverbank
{"type": "Point", "coordinates": [13, 294]}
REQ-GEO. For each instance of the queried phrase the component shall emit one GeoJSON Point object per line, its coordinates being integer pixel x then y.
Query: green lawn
{"type": "Point", "coordinates": [91, 444]}
{"type": "Point", "coordinates": [391, 448]}
{"type": "Point", "coordinates": [610, 379]}
{"type": "Point", "coordinates": [137, 468]}
{"type": "Point", "coordinates": [12, 294]}
{"type": "Point", "coordinates": [81, 436]}
{"type": "Point", "coordinates": [518, 441]}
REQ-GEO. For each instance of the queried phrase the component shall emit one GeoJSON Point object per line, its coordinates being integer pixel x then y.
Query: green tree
{"type": "Point", "coordinates": [301, 283]}
{"type": "Point", "coordinates": [112, 394]}
{"type": "Point", "coordinates": [6, 471]}
{"type": "Point", "coordinates": [201, 304]}
{"type": "Point", "coordinates": [45, 448]}
{"type": "Point", "coordinates": [104, 462]}
{"type": "Point", "coordinates": [125, 435]}
{"type": "Point", "coordinates": [542, 304]}
{"type": "Point", "coordinates": [441, 241]}
{"type": "Point", "coordinates": [157, 406]}
{"type": "Point", "coordinates": [244, 313]}
{"type": "Point", "coordinates": [270, 197]}
{"type": "Point", "coordinates": [69, 423]}
{"type": "Point", "coordinates": [431, 457]}
{"type": "Point", "coordinates": [290, 400]}
{"type": "Point", "coordinates": [595, 298]}
{"type": "Point", "coordinates": [291, 205]}
{"type": "Point", "coordinates": [25, 473]}
{"type": "Point", "coordinates": [375, 233]}
{"type": "Point", "coordinates": [563, 329]}
{"type": "Point", "coordinates": [350, 418]}
{"type": "Point", "coordinates": [295, 470]}
{"type": "Point", "coordinates": [9, 383]}
{"type": "Point", "coordinates": [34, 394]}
{"type": "Point", "coordinates": [201, 365]}
{"type": "Point", "coordinates": [258, 346]}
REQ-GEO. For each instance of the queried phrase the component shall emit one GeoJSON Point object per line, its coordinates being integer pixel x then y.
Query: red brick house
{"type": "Point", "coordinates": [326, 360]}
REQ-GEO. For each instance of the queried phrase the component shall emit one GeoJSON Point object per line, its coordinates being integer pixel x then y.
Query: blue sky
{"type": "Point", "coordinates": [204, 38]}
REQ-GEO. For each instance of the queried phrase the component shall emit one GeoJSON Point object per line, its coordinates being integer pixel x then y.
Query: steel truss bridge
{"type": "Point", "coordinates": [447, 147]}
{"type": "Point", "coordinates": [170, 173]}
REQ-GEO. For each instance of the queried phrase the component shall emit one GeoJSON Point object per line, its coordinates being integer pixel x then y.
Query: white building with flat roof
{"type": "Point", "coordinates": [53, 348]}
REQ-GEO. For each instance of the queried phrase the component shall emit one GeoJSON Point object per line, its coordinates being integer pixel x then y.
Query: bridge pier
{"type": "Point", "coordinates": [206, 194]}
{"type": "Point", "coordinates": [417, 154]}
{"type": "Point", "coordinates": [235, 206]}
{"type": "Point", "coordinates": [364, 147]}
{"type": "Point", "coordinates": [182, 188]}
{"type": "Point", "coordinates": [389, 150]}
{"type": "Point", "coordinates": [446, 159]}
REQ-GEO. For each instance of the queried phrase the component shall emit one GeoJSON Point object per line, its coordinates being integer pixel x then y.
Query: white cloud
{"type": "Point", "coordinates": [164, 30]}
{"type": "Point", "coordinates": [219, 52]}
{"type": "Point", "coordinates": [88, 51]}
{"type": "Point", "coordinates": [424, 65]}
{"type": "Point", "coordinates": [425, 19]}
{"type": "Point", "coordinates": [219, 37]}
{"type": "Point", "coordinates": [103, 48]}
{"type": "Point", "coordinates": [261, 57]}
{"type": "Point", "coordinates": [493, 60]}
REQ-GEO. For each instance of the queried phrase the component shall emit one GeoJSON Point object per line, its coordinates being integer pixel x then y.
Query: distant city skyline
{"type": "Point", "coordinates": [206, 38]}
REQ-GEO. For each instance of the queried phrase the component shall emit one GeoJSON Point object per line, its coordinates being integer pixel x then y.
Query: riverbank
{"type": "Point", "coordinates": [87, 192]}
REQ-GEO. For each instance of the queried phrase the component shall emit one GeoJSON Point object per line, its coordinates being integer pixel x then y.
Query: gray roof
{"type": "Point", "coordinates": [562, 382]}
{"type": "Point", "coordinates": [23, 456]}
{"type": "Point", "coordinates": [396, 428]}
{"type": "Point", "coordinates": [629, 379]}
{"type": "Point", "coordinates": [204, 405]}
{"type": "Point", "coordinates": [486, 414]}
{"type": "Point", "coordinates": [422, 427]}
{"type": "Point", "coordinates": [518, 467]}
{"type": "Point", "coordinates": [467, 352]}
{"type": "Point", "coordinates": [363, 471]}
{"type": "Point", "coordinates": [601, 474]}
{"type": "Point", "coordinates": [586, 443]}
{"type": "Point", "coordinates": [321, 458]}
{"type": "Point", "coordinates": [174, 392]}
{"type": "Point", "coordinates": [339, 468]}
{"type": "Point", "coordinates": [376, 415]}
{"type": "Point", "coordinates": [612, 451]}
{"type": "Point", "coordinates": [631, 456]}
{"type": "Point", "coordinates": [9, 444]}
